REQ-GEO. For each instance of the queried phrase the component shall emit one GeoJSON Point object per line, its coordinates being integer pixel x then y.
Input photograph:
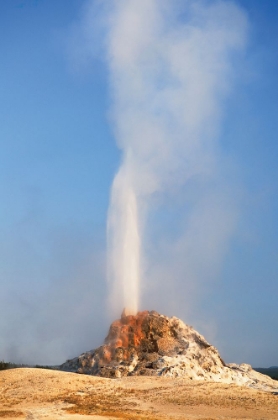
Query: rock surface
{"type": "Point", "coordinates": [151, 344]}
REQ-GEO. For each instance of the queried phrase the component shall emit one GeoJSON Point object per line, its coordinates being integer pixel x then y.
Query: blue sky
{"type": "Point", "coordinates": [58, 158]}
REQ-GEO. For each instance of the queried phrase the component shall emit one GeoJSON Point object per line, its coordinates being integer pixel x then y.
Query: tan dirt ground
{"type": "Point", "coordinates": [37, 394]}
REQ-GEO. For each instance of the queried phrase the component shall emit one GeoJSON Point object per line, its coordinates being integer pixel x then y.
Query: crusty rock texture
{"type": "Point", "coordinates": [155, 345]}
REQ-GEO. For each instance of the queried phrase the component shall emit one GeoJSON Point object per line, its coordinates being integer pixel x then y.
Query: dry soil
{"type": "Point", "coordinates": [34, 394]}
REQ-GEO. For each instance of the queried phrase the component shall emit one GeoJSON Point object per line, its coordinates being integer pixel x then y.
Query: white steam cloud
{"type": "Point", "coordinates": [173, 208]}
{"type": "Point", "coordinates": [171, 65]}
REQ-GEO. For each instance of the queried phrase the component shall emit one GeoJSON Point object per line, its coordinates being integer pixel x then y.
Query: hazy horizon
{"type": "Point", "coordinates": [163, 116]}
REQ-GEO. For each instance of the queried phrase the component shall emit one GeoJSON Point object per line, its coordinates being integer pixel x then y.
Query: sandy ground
{"type": "Point", "coordinates": [34, 394]}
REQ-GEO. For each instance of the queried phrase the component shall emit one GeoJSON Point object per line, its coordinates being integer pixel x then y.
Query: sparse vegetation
{"type": "Point", "coordinates": [109, 404]}
{"type": "Point", "coordinates": [7, 365]}
{"type": "Point", "coordinates": [10, 413]}
{"type": "Point", "coordinates": [130, 398]}
{"type": "Point", "coordinates": [43, 367]}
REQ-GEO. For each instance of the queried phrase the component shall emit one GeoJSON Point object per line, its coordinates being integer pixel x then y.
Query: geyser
{"type": "Point", "coordinates": [124, 237]}
{"type": "Point", "coordinates": [152, 344]}
{"type": "Point", "coordinates": [170, 65]}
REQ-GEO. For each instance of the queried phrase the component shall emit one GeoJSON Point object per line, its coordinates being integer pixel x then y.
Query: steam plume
{"type": "Point", "coordinates": [124, 240]}
{"type": "Point", "coordinates": [171, 65]}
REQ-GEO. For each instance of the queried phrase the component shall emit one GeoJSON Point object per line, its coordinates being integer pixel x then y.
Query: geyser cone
{"type": "Point", "coordinates": [152, 344]}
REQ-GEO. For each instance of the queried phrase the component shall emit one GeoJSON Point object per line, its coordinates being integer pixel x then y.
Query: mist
{"type": "Point", "coordinates": [171, 66]}
{"type": "Point", "coordinates": [48, 313]}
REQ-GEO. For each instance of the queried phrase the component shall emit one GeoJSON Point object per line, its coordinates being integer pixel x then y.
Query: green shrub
{"type": "Point", "coordinates": [43, 367]}
{"type": "Point", "coordinates": [7, 365]}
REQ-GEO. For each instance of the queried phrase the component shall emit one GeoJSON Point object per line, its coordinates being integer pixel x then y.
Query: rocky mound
{"type": "Point", "coordinates": [153, 344]}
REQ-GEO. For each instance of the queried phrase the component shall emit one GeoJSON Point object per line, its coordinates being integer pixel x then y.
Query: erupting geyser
{"type": "Point", "coordinates": [124, 241]}
{"type": "Point", "coordinates": [170, 65]}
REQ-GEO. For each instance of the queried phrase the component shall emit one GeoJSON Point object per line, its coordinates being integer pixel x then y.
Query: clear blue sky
{"type": "Point", "coordinates": [57, 162]}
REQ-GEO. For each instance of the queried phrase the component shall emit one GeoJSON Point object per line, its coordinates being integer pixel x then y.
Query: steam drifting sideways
{"type": "Point", "coordinates": [171, 64]}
